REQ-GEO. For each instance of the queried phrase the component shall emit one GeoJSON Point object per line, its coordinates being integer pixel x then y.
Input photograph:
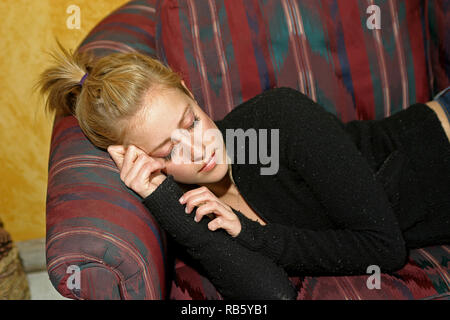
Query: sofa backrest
{"type": "Point", "coordinates": [229, 51]}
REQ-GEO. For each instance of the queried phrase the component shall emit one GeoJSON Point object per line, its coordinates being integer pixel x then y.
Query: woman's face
{"type": "Point", "coordinates": [169, 127]}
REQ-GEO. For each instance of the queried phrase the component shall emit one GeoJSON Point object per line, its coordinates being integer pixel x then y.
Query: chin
{"type": "Point", "coordinates": [196, 177]}
{"type": "Point", "coordinates": [213, 176]}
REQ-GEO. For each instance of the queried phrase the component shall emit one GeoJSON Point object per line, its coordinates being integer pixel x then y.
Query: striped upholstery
{"type": "Point", "coordinates": [439, 23]}
{"type": "Point", "coordinates": [93, 220]}
{"type": "Point", "coordinates": [96, 222]}
{"type": "Point", "coordinates": [425, 276]}
{"type": "Point", "coordinates": [321, 48]}
{"type": "Point", "coordinates": [228, 51]}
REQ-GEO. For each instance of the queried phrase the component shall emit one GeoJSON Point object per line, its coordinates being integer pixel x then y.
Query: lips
{"type": "Point", "coordinates": [208, 163]}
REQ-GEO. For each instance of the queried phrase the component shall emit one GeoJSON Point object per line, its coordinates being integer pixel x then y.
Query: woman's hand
{"type": "Point", "coordinates": [138, 171]}
{"type": "Point", "coordinates": [207, 203]}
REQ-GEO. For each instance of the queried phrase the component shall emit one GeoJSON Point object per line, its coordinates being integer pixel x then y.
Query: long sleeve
{"type": "Point", "coordinates": [366, 232]}
{"type": "Point", "coordinates": [235, 271]}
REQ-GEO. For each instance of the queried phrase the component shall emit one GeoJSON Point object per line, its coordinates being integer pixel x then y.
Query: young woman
{"type": "Point", "coordinates": [343, 197]}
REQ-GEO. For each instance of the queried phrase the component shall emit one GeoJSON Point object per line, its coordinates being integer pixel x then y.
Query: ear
{"type": "Point", "coordinates": [117, 153]}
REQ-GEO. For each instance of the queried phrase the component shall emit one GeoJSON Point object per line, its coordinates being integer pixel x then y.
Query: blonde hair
{"type": "Point", "coordinates": [111, 94]}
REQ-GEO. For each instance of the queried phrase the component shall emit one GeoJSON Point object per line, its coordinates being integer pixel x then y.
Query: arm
{"type": "Point", "coordinates": [314, 144]}
{"type": "Point", "coordinates": [235, 271]}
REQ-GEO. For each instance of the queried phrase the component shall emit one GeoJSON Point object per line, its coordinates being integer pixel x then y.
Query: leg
{"type": "Point", "coordinates": [434, 229]}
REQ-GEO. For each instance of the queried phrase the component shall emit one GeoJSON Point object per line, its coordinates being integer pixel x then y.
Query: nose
{"type": "Point", "coordinates": [197, 152]}
{"type": "Point", "coordinates": [196, 148]}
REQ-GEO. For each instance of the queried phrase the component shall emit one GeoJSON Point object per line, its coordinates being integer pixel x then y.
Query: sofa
{"type": "Point", "coordinates": [102, 243]}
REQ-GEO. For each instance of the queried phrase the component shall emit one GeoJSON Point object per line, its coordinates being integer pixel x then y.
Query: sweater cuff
{"type": "Point", "coordinates": [252, 233]}
{"type": "Point", "coordinates": [163, 204]}
{"type": "Point", "coordinates": [168, 190]}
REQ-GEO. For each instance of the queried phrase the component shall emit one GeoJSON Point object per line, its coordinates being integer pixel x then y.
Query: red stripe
{"type": "Point", "coordinates": [358, 60]}
{"type": "Point", "coordinates": [171, 38]}
{"type": "Point", "coordinates": [113, 214]}
{"type": "Point", "coordinates": [143, 22]}
{"type": "Point", "coordinates": [144, 38]}
{"type": "Point", "coordinates": [416, 40]}
{"type": "Point", "coordinates": [243, 50]}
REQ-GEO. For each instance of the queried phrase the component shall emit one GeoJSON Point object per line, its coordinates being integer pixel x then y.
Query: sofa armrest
{"type": "Point", "coordinates": [90, 264]}
{"type": "Point", "coordinates": [95, 223]}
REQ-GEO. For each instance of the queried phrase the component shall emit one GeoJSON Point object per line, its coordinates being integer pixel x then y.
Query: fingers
{"type": "Point", "coordinates": [206, 201]}
{"type": "Point", "coordinates": [217, 223]}
{"type": "Point", "coordinates": [195, 197]}
{"type": "Point", "coordinates": [130, 161]}
{"type": "Point", "coordinates": [213, 207]}
{"type": "Point", "coordinates": [141, 170]}
{"type": "Point", "coordinates": [232, 227]}
{"type": "Point", "coordinates": [131, 156]}
{"type": "Point", "coordinates": [226, 218]}
{"type": "Point", "coordinates": [191, 193]}
{"type": "Point", "coordinates": [141, 160]}
{"type": "Point", "coordinates": [143, 175]}
{"type": "Point", "coordinates": [117, 153]}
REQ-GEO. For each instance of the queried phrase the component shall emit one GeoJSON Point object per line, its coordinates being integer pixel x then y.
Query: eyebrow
{"type": "Point", "coordinates": [188, 107]}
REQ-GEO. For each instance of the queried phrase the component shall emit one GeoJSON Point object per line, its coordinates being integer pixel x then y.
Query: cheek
{"type": "Point", "coordinates": [208, 124]}
{"type": "Point", "coordinates": [182, 170]}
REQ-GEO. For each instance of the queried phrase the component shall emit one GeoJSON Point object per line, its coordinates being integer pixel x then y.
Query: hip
{"type": "Point", "coordinates": [412, 150]}
{"type": "Point", "coordinates": [404, 131]}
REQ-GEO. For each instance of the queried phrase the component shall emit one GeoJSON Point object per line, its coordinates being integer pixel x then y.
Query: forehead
{"type": "Point", "coordinates": [157, 119]}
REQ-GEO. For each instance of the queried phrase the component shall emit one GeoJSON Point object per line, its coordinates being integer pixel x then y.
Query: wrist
{"type": "Point", "coordinates": [156, 182]}
{"type": "Point", "coordinates": [250, 235]}
{"type": "Point", "coordinates": [164, 206]}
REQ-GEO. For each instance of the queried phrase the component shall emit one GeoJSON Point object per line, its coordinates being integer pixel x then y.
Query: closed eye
{"type": "Point", "coordinates": [190, 128]}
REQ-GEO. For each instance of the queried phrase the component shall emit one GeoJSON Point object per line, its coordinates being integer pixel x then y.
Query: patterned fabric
{"type": "Point", "coordinates": [95, 222]}
{"type": "Point", "coordinates": [425, 276]}
{"type": "Point", "coordinates": [230, 51]}
{"type": "Point", "coordinates": [439, 30]}
{"type": "Point", "coordinates": [129, 28]}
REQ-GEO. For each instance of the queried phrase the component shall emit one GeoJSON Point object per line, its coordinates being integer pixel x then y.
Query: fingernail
{"type": "Point", "coordinates": [181, 200]}
{"type": "Point", "coordinates": [195, 219]}
{"type": "Point", "coordinates": [186, 209]}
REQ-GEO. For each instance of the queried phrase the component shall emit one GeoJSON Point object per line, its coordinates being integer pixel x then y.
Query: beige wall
{"type": "Point", "coordinates": [27, 29]}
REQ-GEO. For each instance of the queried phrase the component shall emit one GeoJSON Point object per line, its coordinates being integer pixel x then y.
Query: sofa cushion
{"type": "Point", "coordinates": [425, 276]}
{"type": "Point", "coordinates": [229, 51]}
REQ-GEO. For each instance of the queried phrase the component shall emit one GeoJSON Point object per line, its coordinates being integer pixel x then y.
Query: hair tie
{"type": "Point", "coordinates": [84, 78]}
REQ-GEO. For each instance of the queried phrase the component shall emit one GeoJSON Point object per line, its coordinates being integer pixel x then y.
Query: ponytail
{"type": "Point", "coordinates": [104, 94]}
{"type": "Point", "coordinates": [61, 82]}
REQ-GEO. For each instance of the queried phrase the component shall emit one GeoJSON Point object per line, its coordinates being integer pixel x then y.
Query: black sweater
{"type": "Point", "coordinates": [326, 210]}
